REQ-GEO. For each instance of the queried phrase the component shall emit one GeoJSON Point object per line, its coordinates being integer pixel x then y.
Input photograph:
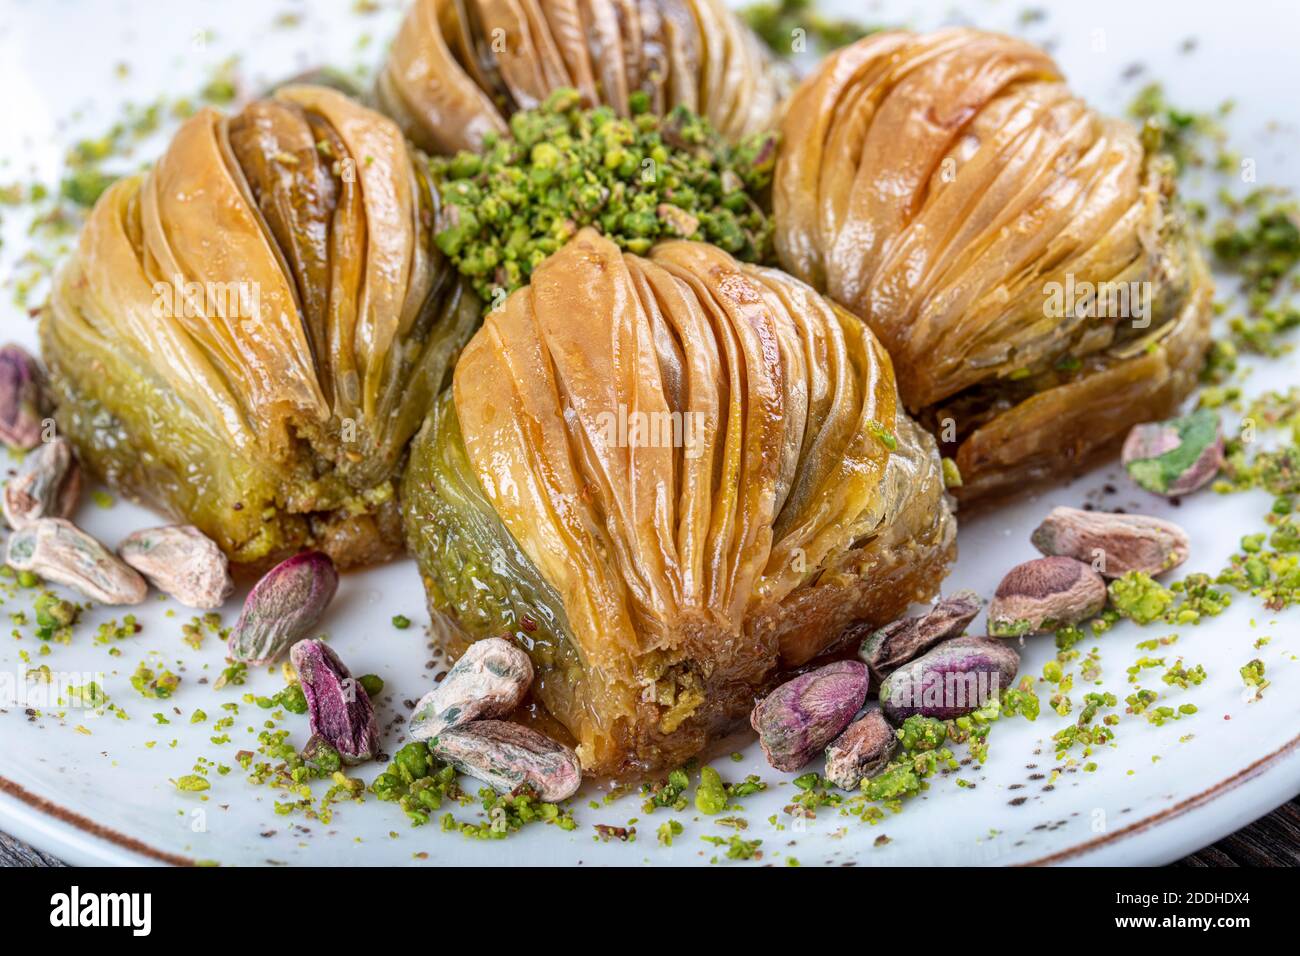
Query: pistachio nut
{"type": "Point", "coordinates": [59, 551]}
{"type": "Point", "coordinates": [1112, 544]}
{"type": "Point", "coordinates": [1043, 594]}
{"type": "Point", "coordinates": [338, 708]}
{"type": "Point", "coordinates": [1177, 456]}
{"type": "Point", "coordinates": [490, 680]}
{"type": "Point", "coordinates": [47, 485]}
{"type": "Point", "coordinates": [953, 679]}
{"type": "Point", "coordinates": [320, 756]}
{"type": "Point", "coordinates": [181, 561]}
{"type": "Point", "coordinates": [861, 751]}
{"type": "Point", "coordinates": [681, 222]}
{"type": "Point", "coordinates": [23, 403]}
{"type": "Point", "coordinates": [886, 649]}
{"type": "Point", "coordinates": [797, 720]}
{"type": "Point", "coordinates": [507, 756]}
{"type": "Point", "coordinates": [283, 607]}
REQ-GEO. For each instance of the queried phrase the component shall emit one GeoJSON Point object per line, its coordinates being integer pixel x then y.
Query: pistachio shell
{"type": "Point", "coordinates": [47, 485]}
{"type": "Point", "coordinates": [955, 678]}
{"type": "Point", "coordinates": [338, 708]}
{"type": "Point", "coordinates": [798, 719]}
{"type": "Point", "coordinates": [506, 756]}
{"type": "Point", "coordinates": [181, 561]}
{"type": "Point", "coordinates": [283, 607]}
{"type": "Point", "coordinates": [490, 680]}
{"type": "Point", "coordinates": [59, 551]}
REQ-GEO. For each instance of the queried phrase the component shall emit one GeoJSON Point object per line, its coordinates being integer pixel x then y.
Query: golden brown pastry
{"type": "Point", "coordinates": [669, 478]}
{"type": "Point", "coordinates": [1020, 256]}
{"type": "Point", "coordinates": [249, 334]}
{"type": "Point", "coordinates": [459, 68]}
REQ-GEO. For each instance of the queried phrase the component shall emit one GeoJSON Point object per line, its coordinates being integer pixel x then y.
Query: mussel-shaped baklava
{"type": "Point", "coordinates": [459, 68]}
{"type": "Point", "coordinates": [670, 478]}
{"type": "Point", "coordinates": [249, 334]}
{"type": "Point", "coordinates": [1020, 256]}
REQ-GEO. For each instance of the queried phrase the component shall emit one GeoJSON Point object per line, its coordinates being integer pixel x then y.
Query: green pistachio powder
{"type": "Point", "coordinates": [638, 180]}
{"type": "Point", "coordinates": [643, 179]}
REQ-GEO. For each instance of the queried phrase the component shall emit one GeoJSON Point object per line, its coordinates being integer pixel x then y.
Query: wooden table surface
{"type": "Point", "coordinates": [1272, 841]}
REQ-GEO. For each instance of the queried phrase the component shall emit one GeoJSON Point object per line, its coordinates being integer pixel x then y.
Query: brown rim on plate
{"type": "Point", "coordinates": [90, 826]}
{"type": "Point", "coordinates": [1244, 775]}
{"type": "Point", "coordinates": [1247, 773]}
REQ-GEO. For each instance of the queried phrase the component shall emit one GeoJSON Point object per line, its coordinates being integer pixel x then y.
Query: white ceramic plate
{"type": "Point", "coordinates": [100, 794]}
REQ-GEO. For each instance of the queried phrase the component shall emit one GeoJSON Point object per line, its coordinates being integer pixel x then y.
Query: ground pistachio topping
{"type": "Point", "coordinates": [736, 848]}
{"type": "Point", "coordinates": [1262, 246]}
{"type": "Point", "coordinates": [637, 179]}
{"type": "Point", "coordinates": [791, 26]}
{"type": "Point", "coordinates": [1179, 133]}
{"type": "Point", "coordinates": [1267, 563]}
{"type": "Point", "coordinates": [1252, 675]}
{"type": "Point", "coordinates": [150, 684]}
{"type": "Point", "coordinates": [419, 782]}
{"type": "Point", "coordinates": [925, 750]}
{"type": "Point", "coordinates": [667, 831]}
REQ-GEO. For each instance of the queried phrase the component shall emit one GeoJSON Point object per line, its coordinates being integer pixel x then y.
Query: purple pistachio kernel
{"type": "Point", "coordinates": [1175, 457]}
{"type": "Point", "coordinates": [890, 647]}
{"type": "Point", "coordinates": [338, 707]}
{"type": "Point", "coordinates": [23, 404]}
{"type": "Point", "coordinates": [47, 485]}
{"type": "Point", "coordinates": [797, 720]}
{"type": "Point", "coordinates": [507, 756]}
{"type": "Point", "coordinates": [1112, 544]}
{"type": "Point", "coordinates": [1044, 594]}
{"type": "Point", "coordinates": [490, 680]}
{"type": "Point", "coordinates": [861, 751]}
{"type": "Point", "coordinates": [283, 607]}
{"type": "Point", "coordinates": [958, 676]}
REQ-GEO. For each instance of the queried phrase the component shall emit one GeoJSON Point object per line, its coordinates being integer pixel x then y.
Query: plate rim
{"type": "Point", "coordinates": [71, 829]}
{"type": "Point", "coordinates": [1255, 770]}
{"type": "Point", "coordinates": [72, 835]}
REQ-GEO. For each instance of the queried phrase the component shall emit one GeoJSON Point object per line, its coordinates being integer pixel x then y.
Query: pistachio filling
{"type": "Point", "coordinates": [638, 180]}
